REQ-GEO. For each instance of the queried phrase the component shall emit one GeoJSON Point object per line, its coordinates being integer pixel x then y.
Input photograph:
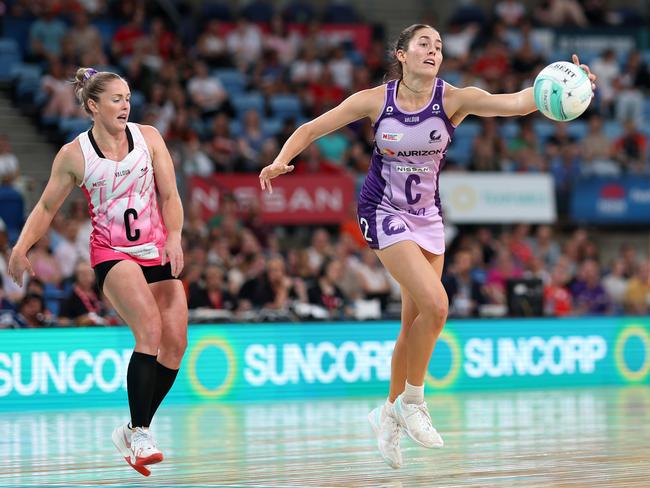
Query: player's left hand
{"type": "Point", "coordinates": [173, 253]}
{"type": "Point", "coordinates": [586, 69]}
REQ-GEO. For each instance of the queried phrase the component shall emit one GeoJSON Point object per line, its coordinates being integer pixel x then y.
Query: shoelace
{"type": "Point", "coordinates": [143, 440]}
{"type": "Point", "coordinates": [425, 418]}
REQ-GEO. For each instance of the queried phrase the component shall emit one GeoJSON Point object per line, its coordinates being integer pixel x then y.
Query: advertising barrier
{"type": "Point", "coordinates": [474, 198]}
{"type": "Point", "coordinates": [64, 368]}
{"type": "Point", "coordinates": [313, 199]}
{"type": "Point", "coordinates": [623, 200]}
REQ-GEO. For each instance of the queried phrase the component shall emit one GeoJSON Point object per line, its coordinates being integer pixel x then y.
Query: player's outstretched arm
{"type": "Point", "coordinates": [59, 186]}
{"type": "Point", "coordinates": [475, 101]}
{"type": "Point", "coordinates": [365, 103]}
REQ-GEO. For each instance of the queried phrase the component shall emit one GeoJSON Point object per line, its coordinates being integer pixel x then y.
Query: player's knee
{"type": "Point", "coordinates": [149, 331]}
{"type": "Point", "coordinates": [435, 308]}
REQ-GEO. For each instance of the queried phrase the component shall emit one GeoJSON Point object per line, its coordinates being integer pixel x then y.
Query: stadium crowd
{"type": "Point", "coordinates": [227, 87]}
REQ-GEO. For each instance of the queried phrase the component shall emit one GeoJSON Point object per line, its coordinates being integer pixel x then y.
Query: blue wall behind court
{"type": "Point", "coordinates": [52, 368]}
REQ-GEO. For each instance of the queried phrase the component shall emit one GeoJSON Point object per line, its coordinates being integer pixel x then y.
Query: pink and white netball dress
{"type": "Point", "coordinates": [127, 223]}
{"type": "Point", "coordinates": [400, 199]}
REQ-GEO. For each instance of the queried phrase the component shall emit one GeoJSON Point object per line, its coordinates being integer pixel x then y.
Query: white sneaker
{"type": "Point", "coordinates": [143, 448]}
{"type": "Point", "coordinates": [122, 439]}
{"type": "Point", "coordinates": [387, 431]}
{"type": "Point", "coordinates": [416, 422]}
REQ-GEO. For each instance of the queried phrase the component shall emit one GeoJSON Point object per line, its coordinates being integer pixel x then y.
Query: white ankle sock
{"type": "Point", "coordinates": [413, 394]}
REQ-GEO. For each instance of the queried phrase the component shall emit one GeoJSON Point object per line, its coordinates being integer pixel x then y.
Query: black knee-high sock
{"type": "Point", "coordinates": [164, 380]}
{"type": "Point", "coordinates": [140, 384]}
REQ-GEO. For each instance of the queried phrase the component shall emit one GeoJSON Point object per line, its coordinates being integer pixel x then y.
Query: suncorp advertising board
{"type": "Point", "coordinates": [86, 366]}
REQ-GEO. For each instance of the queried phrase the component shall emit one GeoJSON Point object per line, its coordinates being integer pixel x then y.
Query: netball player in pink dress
{"type": "Point", "coordinates": [414, 117]}
{"type": "Point", "coordinates": [135, 246]}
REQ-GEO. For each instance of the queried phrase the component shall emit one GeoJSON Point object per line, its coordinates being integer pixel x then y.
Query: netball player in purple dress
{"type": "Point", "coordinates": [414, 116]}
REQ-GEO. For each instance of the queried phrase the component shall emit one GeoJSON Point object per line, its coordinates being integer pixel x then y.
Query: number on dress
{"type": "Point", "coordinates": [366, 228]}
{"type": "Point", "coordinates": [131, 212]}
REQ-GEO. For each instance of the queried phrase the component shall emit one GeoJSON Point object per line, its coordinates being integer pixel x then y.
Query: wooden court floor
{"type": "Point", "coordinates": [551, 438]}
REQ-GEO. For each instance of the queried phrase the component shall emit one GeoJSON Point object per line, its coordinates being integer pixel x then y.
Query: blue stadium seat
{"type": "Point", "coordinates": [469, 129]}
{"type": "Point", "coordinates": [232, 80]}
{"type": "Point", "coordinates": [106, 27]}
{"type": "Point", "coordinates": [249, 101]}
{"type": "Point", "coordinates": [12, 211]}
{"type": "Point", "coordinates": [578, 129]}
{"type": "Point", "coordinates": [17, 28]}
{"type": "Point", "coordinates": [460, 151]}
{"type": "Point", "coordinates": [612, 129]}
{"type": "Point", "coordinates": [543, 129]}
{"type": "Point", "coordinates": [72, 127]}
{"type": "Point", "coordinates": [286, 107]}
{"type": "Point", "coordinates": [509, 129]}
{"type": "Point", "coordinates": [272, 127]}
{"type": "Point", "coordinates": [10, 56]}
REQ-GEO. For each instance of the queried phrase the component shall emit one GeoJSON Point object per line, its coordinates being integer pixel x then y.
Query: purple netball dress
{"type": "Point", "coordinates": [400, 200]}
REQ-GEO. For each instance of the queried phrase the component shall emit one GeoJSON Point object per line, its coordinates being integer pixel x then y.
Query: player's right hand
{"type": "Point", "coordinates": [18, 264]}
{"type": "Point", "coordinates": [271, 171]}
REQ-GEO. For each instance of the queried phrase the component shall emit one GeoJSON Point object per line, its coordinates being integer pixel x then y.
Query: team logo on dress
{"type": "Point", "coordinates": [392, 225]}
{"type": "Point", "coordinates": [434, 136]}
{"type": "Point", "coordinates": [435, 107]}
{"type": "Point", "coordinates": [391, 136]}
{"type": "Point", "coordinates": [388, 152]}
{"type": "Point", "coordinates": [98, 184]}
{"type": "Point", "coordinates": [389, 110]}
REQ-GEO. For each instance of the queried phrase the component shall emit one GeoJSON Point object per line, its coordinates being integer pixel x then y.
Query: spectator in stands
{"type": "Point", "coordinates": [205, 91]}
{"type": "Point", "coordinates": [307, 68]}
{"type": "Point", "coordinates": [510, 12]}
{"type": "Point", "coordinates": [628, 255]}
{"type": "Point", "coordinates": [84, 36]}
{"type": "Point", "coordinates": [281, 41]}
{"type": "Point", "coordinates": [488, 148]}
{"type": "Point", "coordinates": [320, 248]}
{"type": "Point", "coordinates": [31, 312]}
{"type": "Point", "coordinates": [211, 46]}
{"type": "Point", "coordinates": [44, 264]}
{"type": "Point", "coordinates": [589, 296]}
{"type": "Point", "coordinates": [545, 246]}
{"type": "Point", "coordinates": [631, 150]}
{"type": "Point", "coordinates": [272, 290]}
{"type": "Point", "coordinates": [608, 69]}
{"type": "Point", "coordinates": [636, 300]}
{"type": "Point", "coordinates": [615, 284]}
{"type": "Point", "coordinates": [311, 161]}
{"type": "Point", "coordinates": [504, 269]}
{"type": "Point", "coordinates": [373, 278]}
{"type": "Point", "coordinates": [65, 251]}
{"type": "Point", "coordinates": [596, 149]}
{"type": "Point", "coordinates": [211, 292]}
{"type": "Point", "coordinates": [46, 35]}
{"type": "Point", "coordinates": [324, 93]}
{"type": "Point", "coordinates": [5, 304]}
{"type": "Point", "coordinates": [245, 44]}
{"type": "Point", "coordinates": [557, 298]}
{"type": "Point", "coordinates": [326, 293]}
{"type": "Point", "coordinates": [464, 291]}
{"type": "Point", "coordinates": [629, 96]}
{"type": "Point", "coordinates": [222, 147]}
{"type": "Point", "coordinates": [83, 306]}
{"type": "Point", "coordinates": [251, 141]}
{"type": "Point", "coordinates": [61, 101]}
{"type": "Point", "coordinates": [561, 13]}
{"type": "Point", "coordinates": [524, 150]}
{"type": "Point", "coordinates": [126, 38]}
{"type": "Point", "coordinates": [9, 168]}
